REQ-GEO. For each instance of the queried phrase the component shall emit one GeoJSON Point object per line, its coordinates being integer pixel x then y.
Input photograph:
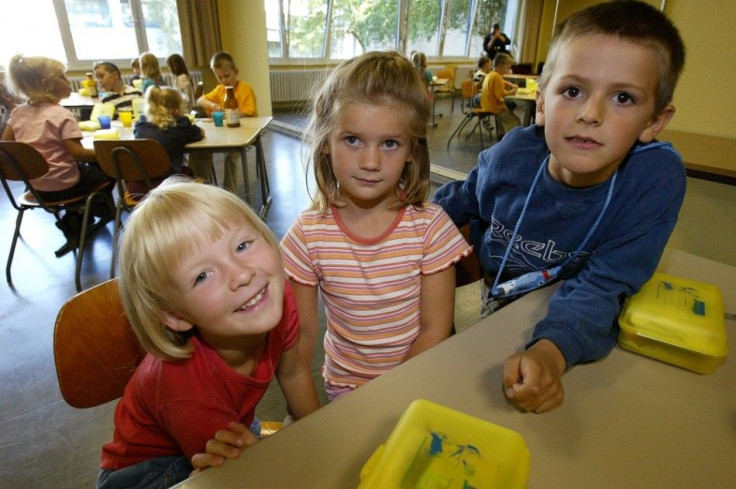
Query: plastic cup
{"type": "Point", "coordinates": [218, 117]}
{"type": "Point", "coordinates": [126, 117]}
{"type": "Point", "coordinates": [104, 121]}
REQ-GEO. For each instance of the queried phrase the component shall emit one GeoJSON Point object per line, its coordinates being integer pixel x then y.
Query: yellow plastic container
{"type": "Point", "coordinates": [678, 321]}
{"type": "Point", "coordinates": [434, 447]}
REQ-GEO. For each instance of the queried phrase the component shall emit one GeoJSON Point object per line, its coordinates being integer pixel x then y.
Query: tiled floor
{"type": "Point", "coordinates": [43, 441]}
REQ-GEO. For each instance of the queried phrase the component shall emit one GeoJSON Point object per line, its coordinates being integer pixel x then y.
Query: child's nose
{"type": "Point", "coordinates": [370, 159]}
{"type": "Point", "coordinates": [241, 275]}
{"type": "Point", "coordinates": [591, 111]}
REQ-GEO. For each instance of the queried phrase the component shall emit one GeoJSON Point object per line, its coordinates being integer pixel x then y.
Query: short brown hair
{"type": "Point", "coordinates": [630, 20]}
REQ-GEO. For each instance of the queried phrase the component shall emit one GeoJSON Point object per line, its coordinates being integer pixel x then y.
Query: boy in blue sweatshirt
{"type": "Point", "coordinates": [587, 195]}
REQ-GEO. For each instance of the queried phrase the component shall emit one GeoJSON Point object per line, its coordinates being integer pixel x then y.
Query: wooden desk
{"type": "Point", "coordinates": [628, 421]}
{"type": "Point", "coordinates": [529, 99]}
{"type": "Point", "coordinates": [76, 101]}
{"type": "Point", "coordinates": [707, 157]}
{"type": "Point", "coordinates": [433, 85]}
{"type": "Point", "coordinates": [220, 139]}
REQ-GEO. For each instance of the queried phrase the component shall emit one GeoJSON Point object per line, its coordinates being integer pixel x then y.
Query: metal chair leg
{"type": "Point", "coordinates": [16, 234]}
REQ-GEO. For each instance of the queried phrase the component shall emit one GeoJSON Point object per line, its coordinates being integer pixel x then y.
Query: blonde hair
{"type": "Point", "coordinates": [377, 77]}
{"type": "Point", "coordinates": [222, 60]}
{"type": "Point", "coordinates": [163, 105]}
{"type": "Point", "coordinates": [149, 66]}
{"type": "Point", "coordinates": [28, 76]}
{"type": "Point", "coordinates": [174, 220]}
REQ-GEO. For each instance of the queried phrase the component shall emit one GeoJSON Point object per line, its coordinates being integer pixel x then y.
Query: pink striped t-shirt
{"type": "Point", "coordinates": [370, 287]}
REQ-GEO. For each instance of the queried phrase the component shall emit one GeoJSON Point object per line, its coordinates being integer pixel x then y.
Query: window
{"type": "Point", "coordinates": [324, 30]}
{"type": "Point", "coordinates": [79, 32]}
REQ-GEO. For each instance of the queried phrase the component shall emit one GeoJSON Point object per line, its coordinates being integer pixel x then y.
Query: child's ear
{"type": "Point", "coordinates": [656, 125]}
{"type": "Point", "coordinates": [539, 116]}
{"type": "Point", "coordinates": [175, 322]}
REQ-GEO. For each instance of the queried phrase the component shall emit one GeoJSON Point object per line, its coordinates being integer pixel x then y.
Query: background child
{"type": "Point", "coordinates": [380, 254]}
{"type": "Point", "coordinates": [590, 197]}
{"type": "Point", "coordinates": [118, 93]}
{"type": "Point", "coordinates": [135, 65]}
{"type": "Point", "coordinates": [53, 130]}
{"type": "Point", "coordinates": [484, 67]}
{"type": "Point", "coordinates": [419, 60]}
{"type": "Point", "coordinates": [178, 67]}
{"type": "Point", "coordinates": [203, 287]}
{"type": "Point", "coordinates": [495, 88]}
{"type": "Point", "coordinates": [165, 122]}
{"type": "Point", "coordinates": [224, 68]}
{"type": "Point", "coordinates": [150, 72]}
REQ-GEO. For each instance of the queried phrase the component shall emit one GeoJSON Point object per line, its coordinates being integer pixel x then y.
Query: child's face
{"type": "Point", "coordinates": [595, 107]}
{"type": "Point", "coordinates": [234, 288]}
{"type": "Point", "coordinates": [107, 79]}
{"type": "Point", "coordinates": [368, 150]}
{"type": "Point", "coordinates": [226, 76]}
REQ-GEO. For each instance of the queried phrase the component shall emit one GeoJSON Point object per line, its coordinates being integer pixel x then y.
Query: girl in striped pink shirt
{"type": "Point", "coordinates": [379, 254]}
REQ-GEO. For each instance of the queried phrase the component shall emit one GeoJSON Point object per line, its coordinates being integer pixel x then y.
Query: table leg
{"type": "Point", "coordinates": [263, 177]}
{"type": "Point", "coordinates": [246, 180]}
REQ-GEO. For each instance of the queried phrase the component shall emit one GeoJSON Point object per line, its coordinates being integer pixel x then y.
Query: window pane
{"type": "Point", "coordinates": [273, 29]}
{"type": "Point", "coordinates": [362, 25]}
{"type": "Point", "coordinates": [305, 25]}
{"type": "Point", "coordinates": [423, 26]}
{"type": "Point", "coordinates": [458, 28]}
{"type": "Point", "coordinates": [162, 27]}
{"type": "Point", "coordinates": [101, 29]}
{"type": "Point", "coordinates": [32, 35]}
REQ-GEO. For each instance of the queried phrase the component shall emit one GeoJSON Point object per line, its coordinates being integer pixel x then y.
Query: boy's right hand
{"type": "Point", "coordinates": [227, 444]}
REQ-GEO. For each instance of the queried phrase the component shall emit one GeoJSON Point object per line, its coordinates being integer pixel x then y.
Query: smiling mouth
{"type": "Point", "coordinates": [254, 301]}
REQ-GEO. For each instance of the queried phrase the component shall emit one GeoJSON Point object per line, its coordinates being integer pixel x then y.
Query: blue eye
{"type": "Point", "coordinates": [242, 246]}
{"type": "Point", "coordinates": [391, 144]}
{"type": "Point", "coordinates": [571, 92]}
{"type": "Point", "coordinates": [351, 140]}
{"type": "Point", "coordinates": [200, 278]}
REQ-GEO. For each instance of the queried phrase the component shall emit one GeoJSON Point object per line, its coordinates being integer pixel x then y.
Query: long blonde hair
{"type": "Point", "coordinates": [173, 221]}
{"type": "Point", "coordinates": [377, 77]}
{"type": "Point", "coordinates": [28, 75]}
{"type": "Point", "coordinates": [163, 106]}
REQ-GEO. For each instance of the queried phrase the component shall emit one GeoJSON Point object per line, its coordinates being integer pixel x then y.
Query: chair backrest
{"type": "Point", "coordinates": [21, 161]}
{"type": "Point", "coordinates": [132, 159]}
{"type": "Point", "coordinates": [95, 349]}
{"type": "Point", "coordinates": [449, 75]}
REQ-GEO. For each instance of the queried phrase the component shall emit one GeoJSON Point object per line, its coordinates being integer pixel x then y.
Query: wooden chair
{"type": "Point", "coordinates": [95, 349]}
{"type": "Point", "coordinates": [22, 163]}
{"type": "Point", "coordinates": [141, 160]}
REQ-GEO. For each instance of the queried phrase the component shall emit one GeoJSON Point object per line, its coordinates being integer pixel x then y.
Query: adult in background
{"type": "Point", "coordinates": [495, 42]}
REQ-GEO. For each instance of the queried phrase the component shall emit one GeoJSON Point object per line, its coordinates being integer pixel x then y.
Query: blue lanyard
{"type": "Point", "coordinates": [533, 280]}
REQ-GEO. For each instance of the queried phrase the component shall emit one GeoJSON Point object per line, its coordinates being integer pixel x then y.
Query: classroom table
{"type": "Point", "coordinates": [433, 86]}
{"type": "Point", "coordinates": [707, 157]}
{"type": "Point", "coordinates": [222, 139]}
{"type": "Point", "coordinates": [529, 99]}
{"type": "Point", "coordinates": [82, 104]}
{"type": "Point", "coordinates": [628, 421]}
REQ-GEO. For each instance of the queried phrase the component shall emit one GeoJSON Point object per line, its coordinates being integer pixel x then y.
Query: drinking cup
{"type": "Point", "coordinates": [104, 121]}
{"type": "Point", "coordinates": [219, 118]}
{"type": "Point", "coordinates": [126, 117]}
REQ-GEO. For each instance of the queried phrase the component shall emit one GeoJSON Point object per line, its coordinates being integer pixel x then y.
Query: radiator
{"type": "Point", "coordinates": [294, 85]}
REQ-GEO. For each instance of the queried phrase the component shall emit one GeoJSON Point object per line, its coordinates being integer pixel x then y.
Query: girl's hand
{"type": "Point", "coordinates": [227, 444]}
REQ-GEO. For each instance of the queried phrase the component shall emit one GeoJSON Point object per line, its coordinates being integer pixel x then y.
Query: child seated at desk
{"type": "Point", "coordinates": [202, 285]}
{"type": "Point", "coordinates": [165, 122]}
{"type": "Point", "coordinates": [53, 130]}
{"type": "Point", "coordinates": [151, 72]}
{"type": "Point", "coordinates": [224, 68]}
{"type": "Point", "coordinates": [494, 91]}
{"type": "Point", "coordinates": [117, 93]}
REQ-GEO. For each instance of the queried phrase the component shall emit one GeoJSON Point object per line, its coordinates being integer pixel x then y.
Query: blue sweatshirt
{"type": "Point", "coordinates": [618, 258]}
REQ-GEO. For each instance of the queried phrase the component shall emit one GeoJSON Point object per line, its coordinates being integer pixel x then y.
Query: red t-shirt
{"type": "Point", "coordinates": [173, 408]}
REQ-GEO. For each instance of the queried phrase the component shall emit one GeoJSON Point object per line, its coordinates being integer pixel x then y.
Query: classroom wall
{"type": "Point", "coordinates": [243, 31]}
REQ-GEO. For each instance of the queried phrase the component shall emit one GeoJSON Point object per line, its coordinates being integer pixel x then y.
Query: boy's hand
{"type": "Point", "coordinates": [227, 444]}
{"type": "Point", "coordinates": [532, 379]}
